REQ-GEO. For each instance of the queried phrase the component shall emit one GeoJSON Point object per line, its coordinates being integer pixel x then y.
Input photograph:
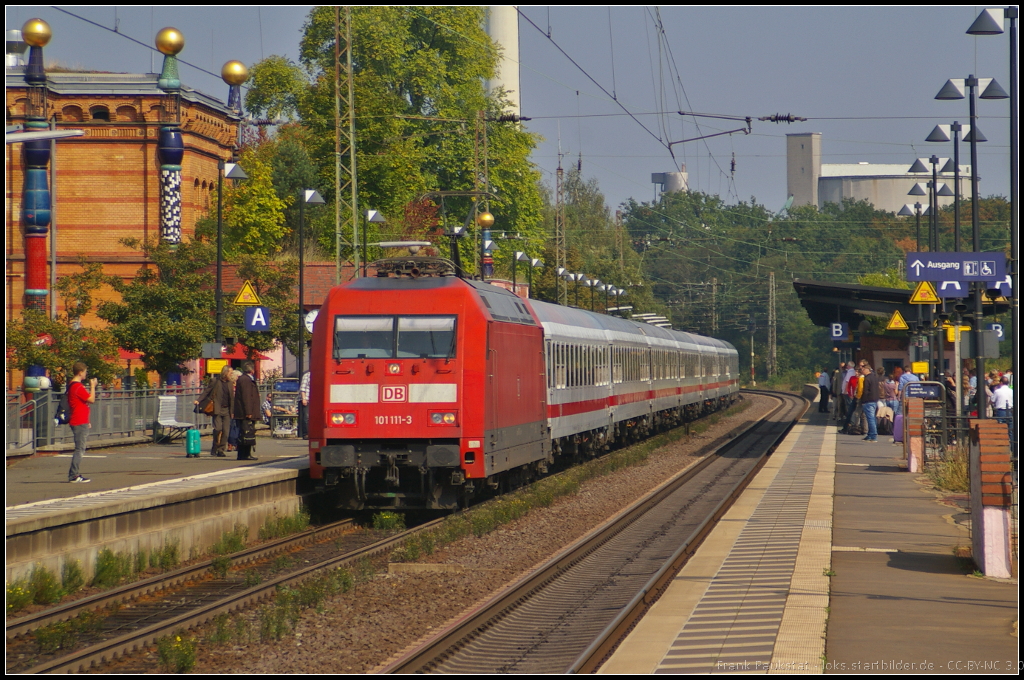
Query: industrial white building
{"type": "Point", "coordinates": [886, 186]}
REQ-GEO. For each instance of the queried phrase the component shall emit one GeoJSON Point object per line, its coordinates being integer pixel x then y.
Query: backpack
{"type": "Point", "coordinates": [63, 414]}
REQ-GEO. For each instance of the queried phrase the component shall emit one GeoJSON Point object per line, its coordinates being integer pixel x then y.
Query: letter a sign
{"type": "Point", "coordinates": [257, 319]}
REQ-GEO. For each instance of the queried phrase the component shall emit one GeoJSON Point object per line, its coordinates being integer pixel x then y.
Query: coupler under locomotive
{"type": "Point", "coordinates": [388, 474]}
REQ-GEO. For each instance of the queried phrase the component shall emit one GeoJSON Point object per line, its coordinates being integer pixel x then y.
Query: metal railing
{"type": "Point", "coordinates": [116, 414]}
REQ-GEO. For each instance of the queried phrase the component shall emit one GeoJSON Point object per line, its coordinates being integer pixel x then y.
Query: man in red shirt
{"type": "Point", "coordinates": [78, 401]}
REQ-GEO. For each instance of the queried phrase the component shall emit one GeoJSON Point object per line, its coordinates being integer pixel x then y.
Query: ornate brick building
{"type": "Point", "coordinates": [143, 135]}
{"type": "Point", "coordinates": [106, 183]}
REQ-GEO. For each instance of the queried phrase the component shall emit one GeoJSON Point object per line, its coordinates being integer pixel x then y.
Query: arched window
{"type": "Point", "coordinates": [127, 113]}
{"type": "Point", "coordinates": [100, 113]}
{"type": "Point", "coordinates": [72, 114]}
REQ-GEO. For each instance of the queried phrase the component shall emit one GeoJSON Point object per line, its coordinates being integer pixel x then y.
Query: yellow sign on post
{"type": "Point", "coordinates": [215, 365]}
{"type": "Point", "coordinates": [925, 294]}
{"type": "Point", "coordinates": [247, 297]}
{"type": "Point", "coordinates": [951, 331]}
{"type": "Point", "coordinates": [919, 367]}
{"type": "Point", "coordinates": [897, 322]}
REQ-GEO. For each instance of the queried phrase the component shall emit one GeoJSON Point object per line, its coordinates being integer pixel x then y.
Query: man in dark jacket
{"type": "Point", "coordinates": [247, 411]}
{"type": "Point", "coordinates": [869, 401]}
{"type": "Point", "coordinates": [219, 393]}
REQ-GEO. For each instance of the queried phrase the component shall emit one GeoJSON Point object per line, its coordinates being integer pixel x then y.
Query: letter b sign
{"type": "Point", "coordinates": [840, 332]}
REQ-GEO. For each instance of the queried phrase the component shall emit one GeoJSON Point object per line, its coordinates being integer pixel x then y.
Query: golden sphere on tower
{"type": "Point", "coordinates": [36, 32]}
{"type": "Point", "coordinates": [234, 73]}
{"type": "Point", "coordinates": [485, 220]}
{"type": "Point", "coordinates": [170, 41]}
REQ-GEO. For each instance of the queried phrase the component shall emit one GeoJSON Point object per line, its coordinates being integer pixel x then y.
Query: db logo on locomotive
{"type": "Point", "coordinates": [393, 393]}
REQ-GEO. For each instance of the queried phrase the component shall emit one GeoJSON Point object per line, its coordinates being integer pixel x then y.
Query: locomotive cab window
{"type": "Point", "coordinates": [431, 337]}
{"type": "Point", "coordinates": [389, 337]}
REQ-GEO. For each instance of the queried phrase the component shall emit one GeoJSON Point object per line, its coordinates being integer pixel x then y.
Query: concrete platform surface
{"type": "Point", "coordinates": [901, 602]}
{"type": "Point", "coordinates": [44, 477]}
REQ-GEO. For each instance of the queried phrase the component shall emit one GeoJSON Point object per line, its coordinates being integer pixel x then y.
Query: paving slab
{"type": "Point", "coordinates": [901, 602]}
{"type": "Point", "coordinates": [44, 477]}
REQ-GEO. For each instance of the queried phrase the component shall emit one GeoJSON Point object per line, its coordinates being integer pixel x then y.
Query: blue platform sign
{"type": "Point", "coordinates": [962, 289]}
{"type": "Point", "coordinates": [840, 332]}
{"type": "Point", "coordinates": [998, 328]}
{"type": "Point", "coordinates": [956, 266]}
{"type": "Point", "coordinates": [257, 319]}
{"type": "Point", "coordinates": [929, 391]}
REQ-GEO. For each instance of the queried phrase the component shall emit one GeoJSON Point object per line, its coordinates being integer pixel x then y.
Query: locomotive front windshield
{"type": "Point", "coordinates": [394, 337]}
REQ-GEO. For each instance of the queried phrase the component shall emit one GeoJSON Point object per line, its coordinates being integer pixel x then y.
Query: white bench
{"type": "Point", "coordinates": [167, 425]}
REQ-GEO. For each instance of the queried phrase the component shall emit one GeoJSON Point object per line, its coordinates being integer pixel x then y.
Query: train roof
{"type": "Point", "coordinates": [596, 324]}
{"type": "Point", "coordinates": [504, 306]}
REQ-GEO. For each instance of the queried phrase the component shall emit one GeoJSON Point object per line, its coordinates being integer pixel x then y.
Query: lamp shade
{"type": "Point", "coordinates": [950, 166]}
{"type": "Point", "coordinates": [939, 134]}
{"type": "Point", "coordinates": [919, 166]}
{"type": "Point", "coordinates": [989, 22]}
{"type": "Point", "coordinates": [944, 190]}
{"type": "Point", "coordinates": [953, 89]}
{"type": "Point", "coordinates": [919, 189]}
{"type": "Point", "coordinates": [981, 136]}
{"type": "Point", "coordinates": [906, 211]}
{"type": "Point", "coordinates": [994, 91]}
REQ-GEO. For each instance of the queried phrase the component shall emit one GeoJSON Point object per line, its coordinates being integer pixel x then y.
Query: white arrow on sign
{"type": "Point", "coordinates": [917, 265]}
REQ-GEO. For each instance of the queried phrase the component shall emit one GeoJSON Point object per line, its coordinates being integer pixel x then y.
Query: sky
{"type": "Point", "coordinates": [865, 77]}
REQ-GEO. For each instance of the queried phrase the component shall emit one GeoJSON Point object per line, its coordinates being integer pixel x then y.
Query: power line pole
{"type": "Point", "coordinates": [772, 359]}
{"type": "Point", "coordinates": [346, 205]}
{"type": "Point", "coordinates": [714, 306]}
{"type": "Point", "coordinates": [560, 284]}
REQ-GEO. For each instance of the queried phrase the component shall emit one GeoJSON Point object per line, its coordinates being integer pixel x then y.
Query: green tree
{"type": "Point", "coordinates": [275, 86]}
{"type": "Point", "coordinates": [166, 311]}
{"type": "Point", "coordinates": [56, 344]}
{"type": "Point", "coordinates": [253, 211]}
{"type": "Point", "coordinates": [419, 74]}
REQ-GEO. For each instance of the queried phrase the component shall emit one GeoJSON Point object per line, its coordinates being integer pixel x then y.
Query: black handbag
{"type": "Point", "coordinates": [248, 437]}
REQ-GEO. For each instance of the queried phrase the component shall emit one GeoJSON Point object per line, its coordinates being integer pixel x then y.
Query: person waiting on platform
{"type": "Point", "coordinates": [824, 384]}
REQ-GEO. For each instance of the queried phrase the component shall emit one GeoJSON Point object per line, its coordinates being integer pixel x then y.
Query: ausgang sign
{"type": "Point", "coordinates": [956, 266]}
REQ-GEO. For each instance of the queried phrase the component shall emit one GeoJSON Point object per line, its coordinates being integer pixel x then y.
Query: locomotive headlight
{"type": "Point", "coordinates": [394, 369]}
{"type": "Point", "coordinates": [342, 419]}
{"type": "Point", "coordinates": [443, 418]}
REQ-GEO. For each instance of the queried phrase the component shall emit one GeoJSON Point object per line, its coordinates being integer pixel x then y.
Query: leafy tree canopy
{"type": "Point", "coordinates": [418, 79]}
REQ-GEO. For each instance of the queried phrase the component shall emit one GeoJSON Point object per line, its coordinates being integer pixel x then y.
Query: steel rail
{"type": "Point", "coordinates": [108, 650]}
{"type": "Point", "coordinates": [592, 657]}
{"type": "Point", "coordinates": [136, 589]}
{"type": "Point", "coordinates": [465, 628]}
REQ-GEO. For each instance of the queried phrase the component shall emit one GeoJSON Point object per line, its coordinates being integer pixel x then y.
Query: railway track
{"type": "Point", "coordinates": [570, 613]}
{"type": "Point", "coordinates": [137, 614]}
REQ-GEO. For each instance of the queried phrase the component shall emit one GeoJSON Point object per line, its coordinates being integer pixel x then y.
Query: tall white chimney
{"type": "Point", "coordinates": [503, 28]}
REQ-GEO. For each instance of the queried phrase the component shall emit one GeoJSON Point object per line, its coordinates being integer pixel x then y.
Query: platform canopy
{"type": "Point", "coordinates": [827, 303]}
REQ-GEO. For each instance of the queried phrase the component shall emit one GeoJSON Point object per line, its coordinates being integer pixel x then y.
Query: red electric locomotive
{"type": "Point", "coordinates": [427, 389]}
{"type": "Point", "coordinates": [423, 388]}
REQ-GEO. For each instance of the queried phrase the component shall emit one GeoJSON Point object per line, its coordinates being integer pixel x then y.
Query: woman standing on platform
{"type": "Point", "coordinates": [220, 392]}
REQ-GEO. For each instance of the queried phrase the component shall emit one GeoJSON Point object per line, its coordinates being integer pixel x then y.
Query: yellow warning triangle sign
{"type": "Point", "coordinates": [924, 294]}
{"type": "Point", "coordinates": [897, 322]}
{"type": "Point", "coordinates": [247, 297]}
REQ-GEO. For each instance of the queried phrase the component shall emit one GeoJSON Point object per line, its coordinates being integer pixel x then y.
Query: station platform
{"type": "Point", "coordinates": [142, 498]}
{"type": "Point", "coordinates": [834, 559]}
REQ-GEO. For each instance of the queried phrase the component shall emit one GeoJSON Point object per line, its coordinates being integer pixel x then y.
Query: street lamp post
{"type": "Point", "coordinates": [310, 197]}
{"type": "Point", "coordinates": [372, 216]}
{"type": "Point", "coordinates": [989, 22]}
{"type": "Point", "coordinates": [953, 89]}
{"type": "Point", "coordinates": [534, 264]}
{"type": "Point", "coordinates": [233, 172]}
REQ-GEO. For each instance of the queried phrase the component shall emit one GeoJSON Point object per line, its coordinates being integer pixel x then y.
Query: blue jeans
{"type": "Point", "coordinates": [869, 408]}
